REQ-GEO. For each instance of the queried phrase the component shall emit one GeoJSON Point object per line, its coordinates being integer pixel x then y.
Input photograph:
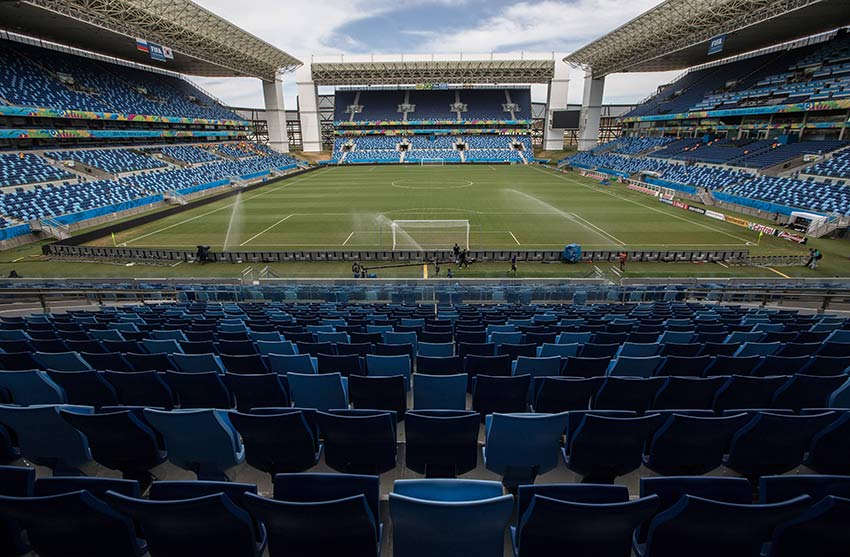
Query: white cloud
{"type": "Point", "coordinates": [550, 25]}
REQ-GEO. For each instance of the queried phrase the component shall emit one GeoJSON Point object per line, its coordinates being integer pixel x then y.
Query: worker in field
{"type": "Point", "coordinates": [623, 257]}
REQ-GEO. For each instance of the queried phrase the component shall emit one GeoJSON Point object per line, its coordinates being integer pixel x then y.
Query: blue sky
{"type": "Point", "coordinates": [324, 27]}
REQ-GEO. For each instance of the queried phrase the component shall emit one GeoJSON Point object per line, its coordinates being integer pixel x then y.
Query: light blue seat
{"type": "Point", "coordinates": [46, 439]}
{"type": "Point", "coordinates": [634, 367]}
{"type": "Point", "coordinates": [499, 329]}
{"type": "Point", "coordinates": [444, 526]}
{"type": "Point", "coordinates": [742, 337]}
{"type": "Point", "coordinates": [439, 392]}
{"type": "Point", "coordinates": [839, 335]}
{"type": "Point", "coordinates": [379, 329]}
{"type": "Point", "coordinates": [31, 387]}
{"type": "Point", "coordinates": [62, 361]}
{"type": "Point", "coordinates": [536, 367]}
{"type": "Point", "coordinates": [13, 334]}
{"type": "Point", "coordinates": [562, 350]}
{"type": "Point", "coordinates": [202, 441]}
{"type": "Point", "coordinates": [638, 349]}
{"type": "Point", "coordinates": [167, 346]}
{"type": "Point", "coordinates": [126, 327]}
{"type": "Point", "coordinates": [198, 363]}
{"type": "Point", "coordinates": [758, 349]}
{"type": "Point", "coordinates": [436, 350]}
{"type": "Point", "coordinates": [574, 338]}
{"type": "Point", "coordinates": [320, 329]}
{"type": "Point", "coordinates": [282, 347]}
{"type": "Point", "coordinates": [265, 336]}
{"type": "Point", "coordinates": [521, 446]}
{"type": "Point", "coordinates": [448, 489]}
{"type": "Point", "coordinates": [386, 366]}
{"type": "Point", "coordinates": [322, 392]}
{"type": "Point", "coordinates": [283, 364]}
{"type": "Point", "coordinates": [332, 336]}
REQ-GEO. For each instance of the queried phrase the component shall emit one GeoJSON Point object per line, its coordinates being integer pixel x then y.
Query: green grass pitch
{"type": "Point", "coordinates": [508, 207]}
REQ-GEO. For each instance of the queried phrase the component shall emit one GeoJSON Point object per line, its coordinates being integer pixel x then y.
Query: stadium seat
{"type": "Point", "coordinates": [73, 524]}
{"type": "Point", "coordinates": [627, 393]}
{"type": "Point", "coordinates": [500, 394]}
{"type": "Point", "coordinates": [687, 392]}
{"type": "Point", "coordinates": [44, 438]}
{"type": "Point", "coordinates": [519, 447]}
{"type": "Point", "coordinates": [277, 443]}
{"type": "Point", "coordinates": [359, 441]}
{"type": "Point", "coordinates": [30, 388]}
{"type": "Point", "coordinates": [199, 390]}
{"type": "Point", "coordinates": [322, 392]}
{"type": "Point", "coordinates": [145, 388]}
{"type": "Point", "coordinates": [439, 392]}
{"type": "Point", "coordinates": [562, 394]}
{"type": "Point", "coordinates": [441, 443]}
{"type": "Point", "coordinates": [378, 393]}
{"type": "Point", "coordinates": [691, 445]}
{"type": "Point", "coordinates": [201, 441]}
{"type": "Point", "coordinates": [85, 388]}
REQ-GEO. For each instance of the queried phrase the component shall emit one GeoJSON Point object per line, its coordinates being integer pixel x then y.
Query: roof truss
{"type": "Point", "coordinates": [411, 72]}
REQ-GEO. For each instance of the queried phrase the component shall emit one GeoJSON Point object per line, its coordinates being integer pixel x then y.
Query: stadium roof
{"type": "Point", "coordinates": [203, 43]}
{"type": "Point", "coordinates": [675, 34]}
{"type": "Point", "coordinates": [494, 68]}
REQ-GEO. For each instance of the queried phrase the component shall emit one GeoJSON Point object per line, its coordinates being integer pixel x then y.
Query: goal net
{"type": "Point", "coordinates": [430, 234]}
{"type": "Point", "coordinates": [432, 162]}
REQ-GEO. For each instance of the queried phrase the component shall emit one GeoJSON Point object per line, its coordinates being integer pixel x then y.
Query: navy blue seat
{"type": "Point", "coordinates": [500, 394]}
{"type": "Point", "coordinates": [378, 393]}
{"type": "Point", "coordinates": [829, 451]}
{"type": "Point", "coordinates": [597, 350]}
{"type": "Point", "coordinates": [627, 393]}
{"type": "Point", "coordinates": [683, 350]}
{"type": "Point", "coordinates": [108, 361]}
{"type": "Point", "coordinates": [578, 528]}
{"type": "Point", "coordinates": [671, 489]}
{"type": "Point", "coordinates": [277, 443]}
{"type": "Point", "coordinates": [121, 441]}
{"type": "Point", "coordinates": [773, 489]}
{"type": "Point", "coordinates": [561, 394]}
{"type": "Point", "coordinates": [44, 438]}
{"type": "Point", "coordinates": [706, 528]}
{"type": "Point", "coordinates": [73, 524]}
{"type": "Point", "coordinates": [301, 528]}
{"type": "Point", "coordinates": [602, 448]}
{"type": "Point", "coordinates": [356, 348]}
{"type": "Point", "coordinates": [30, 387]}
{"type": "Point", "coordinates": [773, 443]}
{"type": "Point", "coordinates": [577, 493]}
{"type": "Point", "coordinates": [685, 366]}
{"type": "Point", "coordinates": [250, 364]}
{"type": "Point", "coordinates": [314, 488]}
{"type": "Point", "coordinates": [576, 366]}
{"type": "Point", "coordinates": [98, 487]}
{"type": "Point", "coordinates": [15, 481]}
{"type": "Point", "coordinates": [493, 366]}
{"type": "Point", "coordinates": [822, 531]}
{"type": "Point", "coordinates": [733, 365]}
{"type": "Point", "coordinates": [199, 390]}
{"type": "Point", "coordinates": [207, 525]}
{"type": "Point", "coordinates": [827, 365]}
{"type": "Point", "coordinates": [359, 441]}
{"type": "Point", "coordinates": [780, 365]}
{"type": "Point", "coordinates": [143, 388]}
{"type": "Point", "coordinates": [687, 392]}
{"type": "Point", "coordinates": [150, 362]}
{"type": "Point", "coordinates": [439, 365]}
{"type": "Point", "coordinates": [741, 391]}
{"type": "Point", "coordinates": [345, 364]}
{"type": "Point", "coordinates": [465, 349]}
{"type": "Point", "coordinates": [256, 391]}
{"type": "Point", "coordinates": [441, 443]}
{"type": "Point", "coordinates": [806, 391]}
{"type": "Point", "coordinates": [87, 388]}
{"type": "Point", "coordinates": [15, 361]}
{"type": "Point", "coordinates": [691, 445]}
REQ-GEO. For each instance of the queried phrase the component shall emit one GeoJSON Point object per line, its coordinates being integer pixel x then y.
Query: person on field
{"type": "Point", "coordinates": [449, 273]}
{"type": "Point", "coordinates": [816, 256]}
{"type": "Point", "coordinates": [456, 251]}
{"type": "Point", "coordinates": [513, 264]}
{"type": "Point", "coordinates": [623, 257]}
{"type": "Point", "coordinates": [811, 257]}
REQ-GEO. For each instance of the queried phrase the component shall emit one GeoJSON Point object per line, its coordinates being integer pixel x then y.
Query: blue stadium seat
{"type": "Point", "coordinates": [519, 447]}
{"type": "Point", "coordinates": [439, 392]}
{"type": "Point", "coordinates": [255, 391]}
{"type": "Point", "coordinates": [359, 441]}
{"type": "Point", "coordinates": [322, 392]}
{"type": "Point", "coordinates": [691, 445]}
{"type": "Point", "coordinates": [44, 438]}
{"type": "Point", "coordinates": [441, 443]}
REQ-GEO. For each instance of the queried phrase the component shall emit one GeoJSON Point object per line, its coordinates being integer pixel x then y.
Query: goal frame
{"type": "Point", "coordinates": [432, 223]}
{"type": "Point", "coordinates": [432, 162]}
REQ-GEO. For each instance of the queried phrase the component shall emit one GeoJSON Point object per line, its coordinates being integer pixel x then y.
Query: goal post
{"type": "Point", "coordinates": [429, 234]}
{"type": "Point", "coordinates": [432, 162]}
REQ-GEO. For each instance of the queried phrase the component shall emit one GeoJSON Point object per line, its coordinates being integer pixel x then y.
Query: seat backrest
{"type": "Point", "coordinates": [298, 363]}
{"type": "Point", "coordinates": [255, 391]}
{"type": "Point", "coordinates": [96, 486]}
{"type": "Point", "coordinates": [45, 438]}
{"type": "Point", "coordinates": [441, 442]}
{"type": "Point", "coordinates": [627, 393]}
{"type": "Point", "coordinates": [62, 361]}
{"type": "Point", "coordinates": [199, 390]}
{"type": "Point", "coordinates": [524, 440]}
{"type": "Point", "coordinates": [323, 392]}
{"type": "Point", "coordinates": [31, 387]}
{"type": "Point", "coordinates": [197, 437]}
{"type": "Point", "coordinates": [316, 487]}
{"type": "Point", "coordinates": [807, 391]}
{"type": "Point", "coordinates": [440, 350]}
{"type": "Point", "coordinates": [577, 493]}
{"type": "Point", "coordinates": [692, 445]}
{"type": "Point", "coordinates": [300, 528]}
{"type": "Point", "coordinates": [561, 394]}
{"type": "Point", "coordinates": [439, 392]}
{"type": "Point", "coordinates": [86, 388]}
{"type": "Point", "coordinates": [359, 442]}
{"type": "Point", "coordinates": [211, 525]}
{"type": "Point", "coordinates": [538, 367]}
{"type": "Point", "coordinates": [474, 528]}
{"type": "Point", "coordinates": [277, 442]}
{"type": "Point", "coordinates": [73, 523]}
{"type": "Point", "coordinates": [819, 531]}
{"type": "Point", "coordinates": [581, 528]}
{"type": "Point", "coordinates": [695, 525]}
{"type": "Point", "coordinates": [118, 439]}
{"type": "Point", "coordinates": [687, 392]}
{"type": "Point", "coordinates": [741, 391]}
{"type": "Point", "coordinates": [635, 366]}
{"type": "Point", "coordinates": [144, 388]}
{"type": "Point", "coordinates": [448, 489]}
{"type": "Point", "coordinates": [773, 489]}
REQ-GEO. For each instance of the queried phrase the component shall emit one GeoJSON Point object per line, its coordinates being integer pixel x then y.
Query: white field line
{"type": "Point", "coordinates": [258, 234]}
{"type": "Point", "coordinates": [514, 237]}
{"type": "Point", "coordinates": [646, 206]}
{"type": "Point", "coordinates": [349, 237]}
{"type": "Point", "coordinates": [602, 230]}
{"type": "Point", "coordinates": [202, 215]}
